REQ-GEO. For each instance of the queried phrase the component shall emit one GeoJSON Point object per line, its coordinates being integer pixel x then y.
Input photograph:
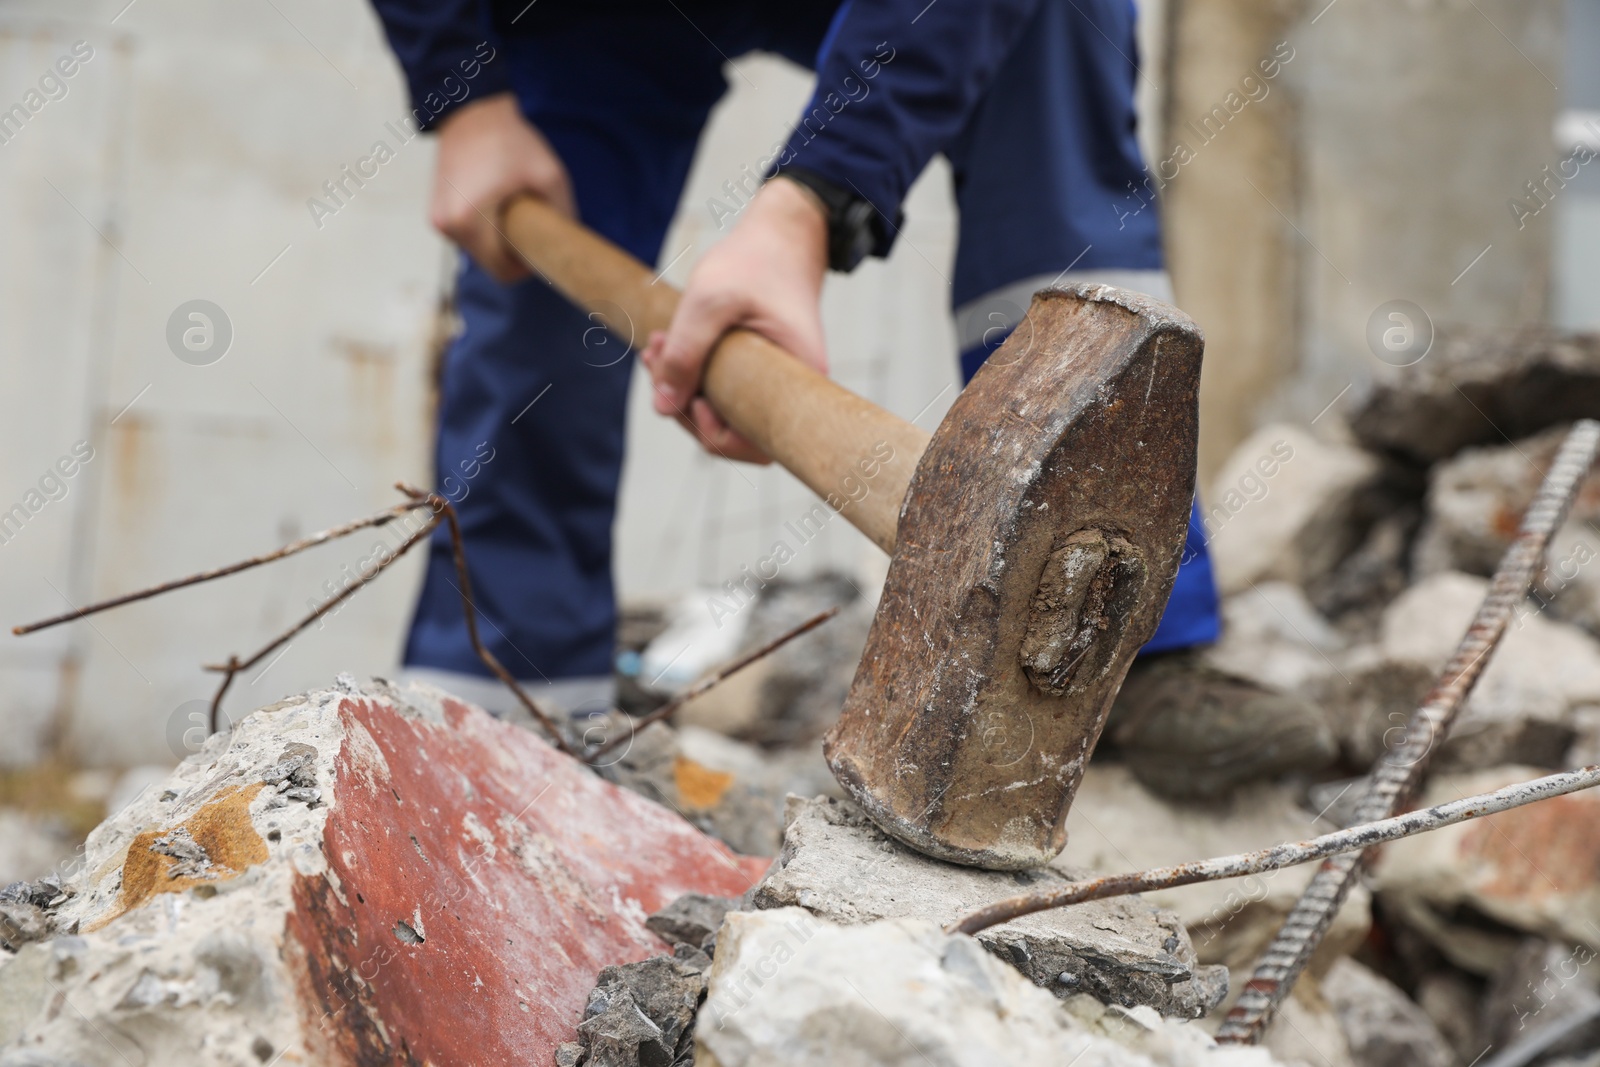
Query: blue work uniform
{"type": "Point", "coordinates": [1030, 100]}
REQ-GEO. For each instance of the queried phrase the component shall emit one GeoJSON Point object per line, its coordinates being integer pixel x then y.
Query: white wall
{"type": "Point", "coordinates": [184, 154]}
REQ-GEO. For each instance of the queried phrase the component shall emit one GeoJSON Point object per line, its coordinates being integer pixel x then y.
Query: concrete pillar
{"type": "Point", "coordinates": [1378, 166]}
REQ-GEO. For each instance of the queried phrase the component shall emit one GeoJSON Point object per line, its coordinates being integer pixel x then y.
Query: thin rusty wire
{"type": "Point", "coordinates": [458, 548]}
{"type": "Point", "coordinates": [383, 517]}
{"type": "Point", "coordinates": [1396, 775]}
{"type": "Point", "coordinates": [715, 678]}
{"type": "Point", "coordinates": [1351, 841]}
{"type": "Point", "coordinates": [443, 512]}
{"type": "Point", "coordinates": [234, 666]}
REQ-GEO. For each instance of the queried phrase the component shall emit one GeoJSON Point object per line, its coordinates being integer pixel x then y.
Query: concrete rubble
{"type": "Point", "coordinates": [1383, 1027]}
{"type": "Point", "coordinates": [790, 990]}
{"type": "Point", "coordinates": [371, 873]}
{"type": "Point", "coordinates": [1473, 503]}
{"type": "Point", "coordinates": [1289, 507]}
{"type": "Point", "coordinates": [1475, 388]}
{"type": "Point", "coordinates": [838, 865]}
{"type": "Point", "coordinates": [1535, 870]}
{"type": "Point", "coordinates": [353, 876]}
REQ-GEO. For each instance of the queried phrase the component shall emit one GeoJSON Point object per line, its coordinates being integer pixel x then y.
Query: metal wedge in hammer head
{"type": "Point", "coordinates": [1035, 550]}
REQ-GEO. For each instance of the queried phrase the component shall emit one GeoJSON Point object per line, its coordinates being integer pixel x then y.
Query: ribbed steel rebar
{"type": "Point", "coordinates": [1397, 774]}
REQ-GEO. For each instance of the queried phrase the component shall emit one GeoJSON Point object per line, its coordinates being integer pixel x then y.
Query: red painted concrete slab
{"type": "Point", "coordinates": [479, 880]}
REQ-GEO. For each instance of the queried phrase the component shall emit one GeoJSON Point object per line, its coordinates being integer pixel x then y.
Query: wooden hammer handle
{"type": "Point", "coordinates": [856, 456]}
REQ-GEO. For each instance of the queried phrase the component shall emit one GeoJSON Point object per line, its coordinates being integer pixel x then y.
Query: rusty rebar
{"type": "Point", "coordinates": [1351, 841]}
{"type": "Point", "coordinates": [1396, 775]}
{"type": "Point", "coordinates": [331, 533]}
{"type": "Point", "coordinates": [234, 666]}
{"type": "Point", "coordinates": [711, 680]}
{"type": "Point", "coordinates": [458, 549]}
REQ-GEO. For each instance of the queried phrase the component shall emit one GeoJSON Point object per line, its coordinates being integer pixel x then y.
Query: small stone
{"type": "Point", "coordinates": [691, 918]}
{"type": "Point", "coordinates": [1288, 506]}
{"type": "Point", "coordinates": [569, 1054]}
{"type": "Point", "coordinates": [193, 862]}
{"type": "Point", "coordinates": [691, 956]}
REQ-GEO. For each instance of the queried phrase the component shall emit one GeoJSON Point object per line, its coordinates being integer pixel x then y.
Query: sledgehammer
{"type": "Point", "coordinates": [1033, 538]}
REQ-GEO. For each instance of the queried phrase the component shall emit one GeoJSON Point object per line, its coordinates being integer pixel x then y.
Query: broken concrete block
{"type": "Point", "coordinates": [1356, 591]}
{"type": "Point", "coordinates": [1535, 869]}
{"type": "Point", "coordinates": [1288, 506]}
{"type": "Point", "coordinates": [1118, 825]}
{"type": "Point", "coordinates": [1475, 505]}
{"type": "Point", "coordinates": [1382, 1026]}
{"type": "Point", "coordinates": [1272, 636]}
{"type": "Point", "coordinates": [1306, 1032]}
{"type": "Point", "coordinates": [1369, 702]}
{"type": "Point", "coordinates": [355, 876]}
{"type": "Point", "coordinates": [837, 864]}
{"type": "Point", "coordinates": [1478, 387]}
{"type": "Point", "coordinates": [788, 990]}
{"type": "Point", "coordinates": [692, 919]}
{"type": "Point", "coordinates": [1521, 708]}
{"type": "Point", "coordinates": [1450, 999]}
{"type": "Point", "coordinates": [642, 1014]}
{"type": "Point", "coordinates": [1542, 986]}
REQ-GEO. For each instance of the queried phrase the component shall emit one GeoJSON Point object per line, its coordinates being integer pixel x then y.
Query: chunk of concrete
{"type": "Point", "coordinates": [1117, 825]}
{"type": "Point", "coordinates": [1382, 1026]}
{"type": "Point", "coordinates": [1272, 636]}
{"type": "Point", "coordinates": [1288, 506]}
{"type": "Point", "coordinates": [642, 1014]}
{"type": "Point", "coordinates": [1535, 869]}
{"type": "Point", "coordinates": [1478, 387]}
{"type": "Point", "coordinates": [692, 919]}
{"type": "Point", "coordinates": [788, 990]}
{"type": "Point", "coordinates": [355, 875]}
{"type": "Point", "coordinates": [837, 864]}
{"type": "Point", "coordinates": [1475, 505]}
{"type": "Point", "coordinates": [1540, 988]}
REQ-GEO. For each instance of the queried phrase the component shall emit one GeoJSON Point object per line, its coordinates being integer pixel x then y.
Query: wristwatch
{"type": "Point", "coordinates": [855, 229]}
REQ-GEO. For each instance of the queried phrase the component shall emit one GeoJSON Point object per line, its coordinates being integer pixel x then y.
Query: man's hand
{"type": "Point", "coordinates": [765, 276]}
{"type": "Point", "coordinates": [489, 153]}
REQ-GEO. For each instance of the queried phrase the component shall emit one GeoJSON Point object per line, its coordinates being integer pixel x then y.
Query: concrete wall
{"type": "Point", "coordinates": [176, 168]}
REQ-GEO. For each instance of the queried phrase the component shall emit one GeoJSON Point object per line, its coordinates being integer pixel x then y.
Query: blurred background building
{"type": "Point", "coordinates": [1383, 162]}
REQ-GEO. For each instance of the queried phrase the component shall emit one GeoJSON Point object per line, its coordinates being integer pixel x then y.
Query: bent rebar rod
{"type": "Point", "coordinates": [1352, 841]}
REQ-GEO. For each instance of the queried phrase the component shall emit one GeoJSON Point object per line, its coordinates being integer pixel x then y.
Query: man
{"type": "Point", "coordinates": [597, 108]}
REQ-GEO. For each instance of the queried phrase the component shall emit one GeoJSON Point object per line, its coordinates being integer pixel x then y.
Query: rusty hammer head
{"type": "Point", "coordinates": [1036, 547]}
